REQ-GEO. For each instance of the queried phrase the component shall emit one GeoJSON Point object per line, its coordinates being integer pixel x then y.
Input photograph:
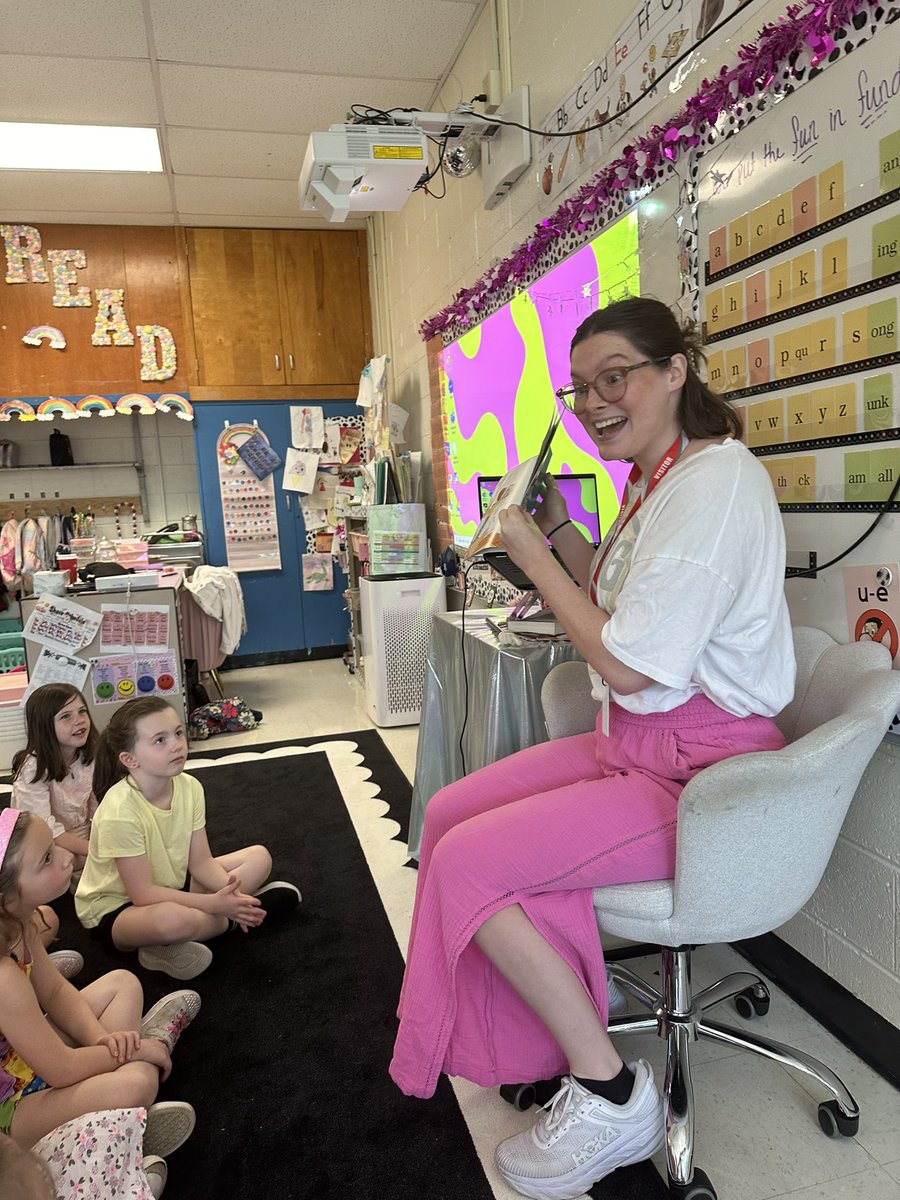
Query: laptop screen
{"type": "Point", "coordinates": [578, 491]}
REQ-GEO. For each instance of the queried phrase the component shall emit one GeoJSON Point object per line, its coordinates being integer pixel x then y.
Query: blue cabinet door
{"type": "Point", "coordinates": [281, 617]}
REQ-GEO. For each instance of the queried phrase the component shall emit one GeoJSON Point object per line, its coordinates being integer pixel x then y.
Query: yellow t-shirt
{"type": "Point", "coordinates": [126, 825]}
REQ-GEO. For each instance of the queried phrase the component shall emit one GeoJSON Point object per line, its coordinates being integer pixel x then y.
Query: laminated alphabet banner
{"type": "Point", "coordinates": [658, 34]}
{"type": "Point", "coordinates": [799, 237]}
{"type": "Point", "coordinates": [248, 505]}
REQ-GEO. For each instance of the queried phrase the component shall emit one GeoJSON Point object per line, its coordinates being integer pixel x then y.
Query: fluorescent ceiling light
{"type": "Point", "coordinates": [27, 146]}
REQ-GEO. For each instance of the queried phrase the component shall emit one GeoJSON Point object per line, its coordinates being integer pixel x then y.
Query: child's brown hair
{"type": "Point", "coordinates": [119, 737]}
{"type": "Point", "coordinates": [41, 710]}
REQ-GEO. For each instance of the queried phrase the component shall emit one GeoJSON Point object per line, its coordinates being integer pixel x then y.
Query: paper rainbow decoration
{"type": "Point", "coordinates": [56, 407]}
{"type": "Point", "coordinates": [135, 402]}
{"type": "Point", "coordinates": [170, 402]}
{"type": "Point", "coordinates": [24, 411]}
{"type": "Point", "coordinates": [95, 404]}
{"type": "Point", "coordinates": [39, 333]}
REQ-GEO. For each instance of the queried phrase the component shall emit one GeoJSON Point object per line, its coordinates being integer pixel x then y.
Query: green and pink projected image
{"type": "Point", "coordinates": [498, 381]}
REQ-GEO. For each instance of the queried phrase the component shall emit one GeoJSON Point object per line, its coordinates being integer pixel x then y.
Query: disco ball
{"type": "Point", "coordinates": [463, 158]}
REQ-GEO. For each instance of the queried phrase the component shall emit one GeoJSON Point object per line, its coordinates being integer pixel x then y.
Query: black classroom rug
{"type": "Point", "coordinates": [286, 1064]}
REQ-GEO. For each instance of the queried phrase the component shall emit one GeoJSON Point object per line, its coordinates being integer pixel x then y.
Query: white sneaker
{"type": "Point", "coordinates": [580, 1138]}
{"type": "Point", "coordinates": [617, 1000]}
{"type": "Point", "coordinates": [169, 1125]}
{"type": "Point", "coordinates": [157, 1171]}
{"type": "Point", "coordinates": [67, 962]}
{"type": "Point", "coordinates": [169, 1017]}
{"type": "Point", "coordinates": [181, 960]}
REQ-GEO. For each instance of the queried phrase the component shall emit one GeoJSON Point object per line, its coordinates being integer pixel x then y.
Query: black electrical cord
{"type": "Point", "coordinates": [462, 651]}
{"type": "Point", "coordinates": [813, 571]}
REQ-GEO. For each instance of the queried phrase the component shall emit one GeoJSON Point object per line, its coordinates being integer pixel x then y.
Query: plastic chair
{"type": "Point", "coordinates": [755, 834]}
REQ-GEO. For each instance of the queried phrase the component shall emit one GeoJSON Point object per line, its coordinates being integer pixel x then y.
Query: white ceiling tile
{"type": "Point", "coordinates": [100, 190]}
{"type": "Point", "coordinates": [76, 27]}
{"type": "Point", "coordinates": [235, 153]}
{"type": "Point", "coordinates": [73, 90]}
{"type": "Point", "coordinates": [316, 36]}
{"type": "Point", "coordinates": [302, 220]}
{"type": "Point", "coordinates": [226, 98]}
{"type": "Point", "coordinates": [267, 197]}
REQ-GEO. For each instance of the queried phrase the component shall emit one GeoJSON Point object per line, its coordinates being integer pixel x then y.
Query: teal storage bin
{"type": "Point", "coordinates": [12, 657]}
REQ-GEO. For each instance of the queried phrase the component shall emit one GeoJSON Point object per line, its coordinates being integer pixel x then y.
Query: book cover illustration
{"type": "Point", "coordinates": [519, 486]}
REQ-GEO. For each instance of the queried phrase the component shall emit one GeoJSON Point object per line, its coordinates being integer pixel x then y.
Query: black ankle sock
{"type": "Point", "coordinates": [617, 1090]}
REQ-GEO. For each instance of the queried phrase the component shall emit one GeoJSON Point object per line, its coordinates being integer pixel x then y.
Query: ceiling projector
{"type": "Point", "coordinates": [362, 168]}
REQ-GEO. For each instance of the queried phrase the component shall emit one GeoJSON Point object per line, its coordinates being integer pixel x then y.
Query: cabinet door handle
{"type": "Point", "coordinates": [277, 362]}
{"type": "Point", "coordinates": [287, 497]}
{"type": "Point", "coordinates": [291, 361]}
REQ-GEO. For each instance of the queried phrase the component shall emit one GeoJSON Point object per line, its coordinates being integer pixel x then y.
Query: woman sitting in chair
{"type": "Point", "coordinates": [682, 620]}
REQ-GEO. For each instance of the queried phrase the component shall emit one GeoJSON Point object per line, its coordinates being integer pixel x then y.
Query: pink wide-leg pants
{"type": "Point", "coordinates": [541, 829]}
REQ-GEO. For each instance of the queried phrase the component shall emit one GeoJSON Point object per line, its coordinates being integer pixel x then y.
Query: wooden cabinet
{"type": "Point", "coordinates": [144, 261]}
{"type": "Point", "coordinates": [282, 310]}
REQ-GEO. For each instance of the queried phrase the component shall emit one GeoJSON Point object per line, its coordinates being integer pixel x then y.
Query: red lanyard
{"type": "Point", "coordinates": [667, 461]}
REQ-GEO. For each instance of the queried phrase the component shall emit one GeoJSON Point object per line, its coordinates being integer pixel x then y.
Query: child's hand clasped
{"type": "Point", "coordinates": [237, 906]}
{"type": "Point", "coordinates": [122, 1044]}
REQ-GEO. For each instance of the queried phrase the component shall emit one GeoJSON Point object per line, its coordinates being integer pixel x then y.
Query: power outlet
{"type": "Point", "coordinates": [492, 86]}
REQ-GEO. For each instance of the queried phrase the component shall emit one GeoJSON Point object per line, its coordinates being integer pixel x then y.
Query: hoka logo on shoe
{"type": "Point", "coordinates": [589, 1149]}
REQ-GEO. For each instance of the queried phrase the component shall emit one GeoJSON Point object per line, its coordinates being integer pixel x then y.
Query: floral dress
{"type": "Point", "coordinates": [98, 1156]}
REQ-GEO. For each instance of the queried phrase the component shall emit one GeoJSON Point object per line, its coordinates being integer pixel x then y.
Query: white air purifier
{"type": "Point", "coordinates": [396, 626]}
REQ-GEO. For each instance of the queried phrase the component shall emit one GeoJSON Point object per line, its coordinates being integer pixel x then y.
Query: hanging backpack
{"type": "Point", "coordinates": [60, 450]}
{"type": "Point", "coordinates": [9, 540]}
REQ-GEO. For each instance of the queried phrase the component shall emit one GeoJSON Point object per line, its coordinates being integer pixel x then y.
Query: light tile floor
{"type": "Point", "coordinates": [758, 1137]}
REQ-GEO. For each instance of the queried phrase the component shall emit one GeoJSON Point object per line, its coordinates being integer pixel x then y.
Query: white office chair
{"type": "Point", "coordinates": [755, 834]}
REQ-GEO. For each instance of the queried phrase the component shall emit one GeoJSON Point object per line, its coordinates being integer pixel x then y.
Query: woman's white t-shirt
{"type": "Point", "coordinates": [694, 585]}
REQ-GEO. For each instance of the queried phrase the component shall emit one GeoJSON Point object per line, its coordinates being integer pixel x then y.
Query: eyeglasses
{"type": "Point", "coordinates": [609, 385]}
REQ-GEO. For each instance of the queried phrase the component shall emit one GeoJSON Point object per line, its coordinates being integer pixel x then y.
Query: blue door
{"type": "Point", "coordinates": [282, 619]}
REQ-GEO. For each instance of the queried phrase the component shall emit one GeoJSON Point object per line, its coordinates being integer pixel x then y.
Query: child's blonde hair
{"type": "Point", "coordinates": [119, 737]}
{"type": "Point", "coordinates": [41, 710]}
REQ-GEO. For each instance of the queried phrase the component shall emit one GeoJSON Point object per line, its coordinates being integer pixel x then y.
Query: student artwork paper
{"type": "Point", "coordinates": [127, 628]}
{"type": "Point", "coordinates": [314, 517]}
{"type": "Point", "coordinates": [53, 666]}
{"type": "Point", "coordinates": [318, 573]}
{"type": "Point", "coordinates": [307, 427]}
{"type": "Point", "coordinates": [331, 446]}
{"type": "Point", "coordinates": [300, 467]}
{"type": "Point", "coordinates": [61, 624]}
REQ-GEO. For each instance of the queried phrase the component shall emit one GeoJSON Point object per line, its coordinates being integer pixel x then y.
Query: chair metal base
{"type": "Point", "coordinates": [678, 1017]}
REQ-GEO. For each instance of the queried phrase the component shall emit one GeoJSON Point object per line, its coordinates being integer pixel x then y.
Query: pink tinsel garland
{"type": "Point", "coordinates": [803, 26]}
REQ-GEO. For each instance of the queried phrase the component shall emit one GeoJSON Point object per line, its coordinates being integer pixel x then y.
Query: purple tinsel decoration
{"type": "Point", "coordinates": [803, 28]}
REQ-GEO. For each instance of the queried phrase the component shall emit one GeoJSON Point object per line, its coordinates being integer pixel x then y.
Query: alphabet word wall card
{"type": "Point", "coordinates": [799, 235]}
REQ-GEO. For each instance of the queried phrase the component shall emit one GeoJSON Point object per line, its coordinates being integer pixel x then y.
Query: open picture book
{"type": "Point", "coordinates": [519, 486]}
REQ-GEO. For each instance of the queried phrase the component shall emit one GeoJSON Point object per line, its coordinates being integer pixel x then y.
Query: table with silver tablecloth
{"type": "Point", "coordinates": [500, 686]}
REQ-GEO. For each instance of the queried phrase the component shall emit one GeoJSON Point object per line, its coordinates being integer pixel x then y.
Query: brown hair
{"type": "Point", "coordinates": [119, 737]}
{"type": "Point", "coordinates": [11, 926]}
{"type": "Point", "coordinates": [654, 331]}
{"type": "Point", "coordinates": [41, 710]}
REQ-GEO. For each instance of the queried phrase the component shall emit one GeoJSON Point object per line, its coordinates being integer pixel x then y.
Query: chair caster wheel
{"type": "Point", "coordinates": [519, 1095]}
{"type": "Point", "coordinates": [698, 1189]}
{"type": "Point", "coordinates": [834, 1123]}
{"type": "Point", "coordinates": [752, 1002]}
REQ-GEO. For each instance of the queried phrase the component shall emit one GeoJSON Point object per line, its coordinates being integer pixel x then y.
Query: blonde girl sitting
{"type": "Point", "coordinates": [149, 831]}
{"type": "Point", "coordinates": [64, 1053]}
